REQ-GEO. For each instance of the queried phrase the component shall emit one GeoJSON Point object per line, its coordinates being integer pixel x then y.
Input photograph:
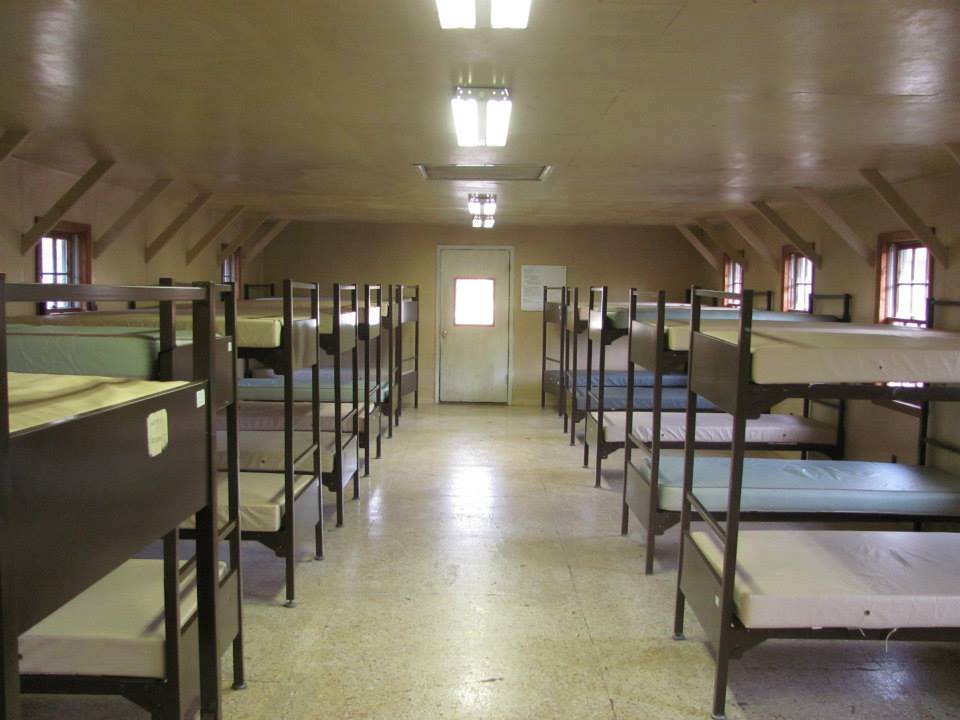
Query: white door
{"type": "Point", "coordinates": [474, 325]}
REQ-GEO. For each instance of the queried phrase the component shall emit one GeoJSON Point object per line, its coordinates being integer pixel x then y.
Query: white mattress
{"type": "Point", "coordinates": [263, 449]}
{"type": "Point", "coordinates": [38, 399]}
{"type": "Point", "coordinates": [843, 579]}
{"type": "Point", "coordinates": [261, 500]}
{"type": "Point", "coordinates": [114, 628]}
{"type": "Point", "coordinates": [816, 486]}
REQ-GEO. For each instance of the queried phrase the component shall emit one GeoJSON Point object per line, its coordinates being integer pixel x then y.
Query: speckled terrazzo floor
{"type": "Point", "coordinates": [482, 576]}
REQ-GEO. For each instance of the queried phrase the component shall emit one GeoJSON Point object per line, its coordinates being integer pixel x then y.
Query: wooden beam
{"type": "Point", "coordinates": [729, 250]}
{"type": "Point", "coordinates": [247, 233]}
{"type": "Point", "coordinates": [792, 236]}
{"type": "Point", "coordinates": [700, 246]}
{"type": "Point", "coordinates": [63, 205]}
{"type": "Point", "coordinates": [178, 222]}
{"type": "Point", "coordinates": [908, 216]}
{"type": "Point", "coordinates": [219, 227]}
{"type": "Point", "coordinates": [841, 227]}
{"type": "Point", "coordinates": [131, 214]}
{"type": "Point", "coordinates": [259, 245]}
{"type": "Point", "coordinates": [752, 238]}
{"type": "Point", "coordinates": [954, 149]}
{"type": "Point", "coordinates": [9, 142]}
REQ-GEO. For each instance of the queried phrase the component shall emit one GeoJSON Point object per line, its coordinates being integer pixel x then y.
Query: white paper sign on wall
{"type": "Point", "coordinates": [534, 277]}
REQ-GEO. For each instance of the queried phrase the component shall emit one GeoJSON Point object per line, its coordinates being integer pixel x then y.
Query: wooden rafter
{"type": "Point", "coordinates": [63, 205]}
{"type": "Point", "coordinates": [248, 233]}
{"type": "Point", "coordinates": [260, 244]}
{"type": "Point", "coordinates": [218, 228]}
{"type": "Point", "coordinates": [729, 250]}
{"type": "Point", "coordinates": [816, 202]}
{"type": "Point", "coordinates": [9, 142]}
{"type": "Point", "coordinates": [131, 214]}
{"type": "Point", "coordinates": [176, 224]}
{"type": "Point", "coordinates": [908, 216]}
{"type": "Point", "coordinates": [752, 238]}
{"type": "Point", "coordinates": [792, 236]}
{"type": "Point", "coordinates": [700, 245]}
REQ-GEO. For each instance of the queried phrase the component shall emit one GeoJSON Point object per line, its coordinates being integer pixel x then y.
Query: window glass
{"type": "Point", "coordinates": [732, 281]}
{"type": "Point", "coordinates": [907, 267]}
{"type": "Point", "coordinates": [797, 282]}
{"type": "Point", "coordinates": [473, 301]}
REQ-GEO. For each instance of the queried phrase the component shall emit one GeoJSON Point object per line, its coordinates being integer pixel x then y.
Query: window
{"type": "Point", "coordinates": [732, 280]}
{"type": "Point", "coordinates": [63, 258]}
{"type": "Point", "coordinates": [473, 301]}
{"type": "Point", "coordinates": [797, 282]}
{"type": "Point", "coordinates": [230, 270]}
{"type": "Point", "coordinates": [905, 275]}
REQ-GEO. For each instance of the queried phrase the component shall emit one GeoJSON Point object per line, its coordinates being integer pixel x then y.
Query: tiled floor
{"type": "Point", "coordinates": [482, 576]}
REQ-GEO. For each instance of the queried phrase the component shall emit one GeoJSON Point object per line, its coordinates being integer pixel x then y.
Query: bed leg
{"type": "Point", "coordinates": [624, 517]}
{"type": "Point", "coordinates": [650, 550]}
{"type": "Point", "coordinates": [239, 674]}
{"type": "Point", "coordinates": [677, 614]}
{"type": "Point", "coordinates": [586, 453]}
{"type": "Point", "coordinates": [720, 681]}
{"type": "Point", "coordinates": [599, 465]}
{"type": "Point", "coordinates": [356, 486]}
{"type": "Point", "coordinates": [340, 506]}
{"type": "Point", "coordinates": [318, 528]}
{"type": "Point", "coordinates": [379, 446]}
{"type": "Point", "coordinates": [565, 420]}
{"type": "Point", "coordinates": [366, 454]}
{"type": "Point", "coordinates": [291, 572]}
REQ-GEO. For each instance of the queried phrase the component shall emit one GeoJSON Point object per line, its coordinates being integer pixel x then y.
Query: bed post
{"type": "Point", "coordinates": [289, 471]}
{"type": "Point", "coordinates": [688, 460]}
{"type": "Point", "coordinates": [573, 375]}
{"type": "Point", "coordinates": [172, 704]}
{"type": "Point", "coordinates": [315, 407]}
{"type": "Point", "coordinates": [337, 402]}
{"type": "Point", "coordinates": [656, 440]}
{"type": "Point", "coordinates": [416, 349]}
{"type": "Point", "coordinates": [391, 346]}
{"type": "Point", "coordinates": [589, 383]}
{"type": "Point", "coordinates": [10, 700]}
{"type": "Point", "coordinates": [543, 350]}
{"type": "Point", "coordinates": [355, 358]}
{"type": "Point", "coordinates": [561, 396]}
{"type": "Point", "coordinates": [631, 382]}
{"type": "Point", "coordinates": [379, 356]}
{"type": "Point", "coordinates": [367, 303]}
{"type": "Point", "coordinates": [398, 406]}
{"type": "Point", "coordinates": [602, 366]}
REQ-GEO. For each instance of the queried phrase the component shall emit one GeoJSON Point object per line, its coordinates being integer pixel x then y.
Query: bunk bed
{"type": "Point", "coordinates": [746, 587]}
{"type": "Point", "coordinates": [552, 378]}
{"type": "Point", "coordinates": [404, 368]}
{"type": "Point", "coordinates": [152, 631]}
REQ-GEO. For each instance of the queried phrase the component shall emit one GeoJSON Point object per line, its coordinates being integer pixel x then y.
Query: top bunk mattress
{"type": "Point", "coordinates": [843, 579]}
{"type": "Point", "coordinates": [37, 399]}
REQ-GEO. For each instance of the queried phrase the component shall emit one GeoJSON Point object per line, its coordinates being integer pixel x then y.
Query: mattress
{"type": "Point", "coordinates": [816, 486]}
{"type": "Point", "coordinates": [843, 579]}
{"type": "Point", "coordinates": [768, 429]}
{"type": "Point", "coordinates": [617, 378]}
{"type": "Point", "coordinates": [38, 399]}
{"type": "Point", "coordinates": [616, 399]}
{"type": "Point", "coordinates": [271, 389]}
{"type": "Point", "coordinates": [727, 322]}
{"type": "Point", "coordinates": [269, 416]}
{"type": "Point", "coordinates": [262, 501]}
{"type": "Point", "coordinates": [263, 450]}
{"type": "Point", "coordinates": [114, 628]}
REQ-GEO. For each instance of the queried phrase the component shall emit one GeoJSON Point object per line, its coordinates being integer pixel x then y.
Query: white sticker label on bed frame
{"type": "Point", "coordinates": [157, 435]}
{"type": "Point", "coordinates": [201, 398]}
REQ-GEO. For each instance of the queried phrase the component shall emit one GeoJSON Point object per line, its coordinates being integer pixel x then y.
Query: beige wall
{"type": "Point", "coordinates": [646, 257]}
{"type": "Point", "coordinates": [28, 190]}
{"type": "Point", "coordinates": [876, 433]}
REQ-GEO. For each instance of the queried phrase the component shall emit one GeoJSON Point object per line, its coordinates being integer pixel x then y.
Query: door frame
{"type": "Point", "coordinates": [437, 313]}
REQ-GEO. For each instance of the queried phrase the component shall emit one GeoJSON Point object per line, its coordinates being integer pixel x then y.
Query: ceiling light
{"type": "Point", "coordinates": [489, 221]}
{"type": "Point", "coordinates": [490, 205]}
{"type": "Point", "coordinates": [481, 204]}
{"type": "Point", "coordinates": [456, 14]}
{"type": "Point", "coordinates": [481, 116]}
{"type": "Point", "coordinates": [477, 221]}
{"type": "Point", "coordinates": [474, 205]}
{"type": "Point", "coordinates": [514, 14]}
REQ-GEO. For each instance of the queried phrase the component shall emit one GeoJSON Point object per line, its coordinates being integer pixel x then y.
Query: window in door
{"type": "Point", "coordinates": [63, 258]}
{"type": "Point", "coordinates": [797, 282]}
{"type": "Point", "coordinates": [473, 301]}
{"type": "Point", "coordinates": [732, 280]}
{"type": "Point", "coordinates": [905, 277]}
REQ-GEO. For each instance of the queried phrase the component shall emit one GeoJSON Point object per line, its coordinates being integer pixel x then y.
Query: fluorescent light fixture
{"type": "Point", "coordinates": [489, 221]}
{"type": "Point", "coordinates": [490, 205]}
{"type": "Point", "coordinates": [477, 221]}
{"type": "Point", "coordinates": [474, 205]}
{"type": "Point", "coordinates": [481, 204]}
{"type": "Point", "coordinates": [456, 14]}
{"type": "Point", "coordinates": [512, 14]}
{"type": "Point", "coordinates": [481, 116]}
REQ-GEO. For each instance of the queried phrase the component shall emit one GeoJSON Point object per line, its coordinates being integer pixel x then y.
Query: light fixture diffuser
{"type": "Point", "coordinates": [489, 222]}
{"type": "Point", "coordinates": [510, 14]}
{"type": "Point", "coordinates": [481, 116]}
{"type": "Point", "coordinates": [474, 205]}
{"type": "Point", "coordinates": [457, 14]}
{"type": "Point", "coordinates": [477, 221]}
{"type": "Point", "coordinates": [490, 205]}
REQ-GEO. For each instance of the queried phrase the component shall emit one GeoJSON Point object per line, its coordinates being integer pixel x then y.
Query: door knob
{"type": "Point", "coordinates": [443, 333]}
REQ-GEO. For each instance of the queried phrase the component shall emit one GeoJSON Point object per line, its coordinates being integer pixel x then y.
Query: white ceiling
{"type": "Point", "coordinates": [649, 112]}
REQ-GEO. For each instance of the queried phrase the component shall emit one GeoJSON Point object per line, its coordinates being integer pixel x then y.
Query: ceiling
{"type": "Point", "coordinates": [648, 112]}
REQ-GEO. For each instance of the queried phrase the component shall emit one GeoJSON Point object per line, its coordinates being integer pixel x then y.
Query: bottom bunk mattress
{"type": "Point", "coordinates": [615, 398]}
{"type": "Point", "coordinates": [843, 579]}
{"type": "Point", "coordinates": [262, 450]}
{"type": "Point", "coordinates": [615, 378]}
{"type": "Point", "coordinates": [811, 486]}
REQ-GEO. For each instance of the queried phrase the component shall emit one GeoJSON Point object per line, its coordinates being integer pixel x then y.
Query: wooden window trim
{"type": "Point", "coordinates": [787, 254]}
{"type": "Point", "coordinates": [898, 238]}
{"type": "Point", "coordinates": [84, 235]}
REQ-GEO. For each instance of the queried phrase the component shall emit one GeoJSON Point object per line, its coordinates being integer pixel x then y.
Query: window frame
{"type": "Point", "coordinates": [235, 260]}
{"type": "Point", "coordinates": [730, 281]}
{"type": "Point", "coordinates": [787, 282]}
{"type": "Point", "coordinates": [889, 244]}
{"type": "Point", "coordinates": [73, 232]}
